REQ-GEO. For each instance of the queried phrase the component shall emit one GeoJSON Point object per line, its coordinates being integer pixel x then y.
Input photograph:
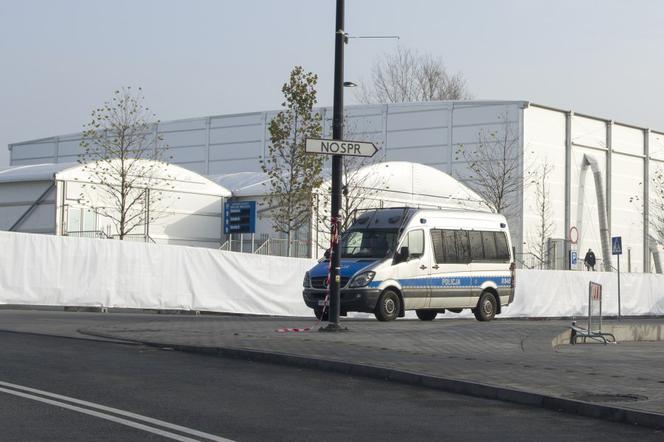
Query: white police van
{"type": "Point", "coordinates": [399, 259]}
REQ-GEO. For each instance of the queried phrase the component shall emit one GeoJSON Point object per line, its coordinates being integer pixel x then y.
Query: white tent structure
{"type": "Point", "coordinates": [402, 183]}
{"type": "Point", "coordinates": [63, 199]}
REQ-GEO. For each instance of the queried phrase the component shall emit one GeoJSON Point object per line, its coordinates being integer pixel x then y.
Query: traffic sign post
{"type": "Point", "coordinates": [338, 148]}
{"type": "Point", "coordinates": [616, 249]}
{"type": "Point", "coordinates": [337, 170]}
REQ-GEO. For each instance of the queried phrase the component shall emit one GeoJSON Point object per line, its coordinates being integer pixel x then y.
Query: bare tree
{"type": "Point", "coordinates": [656, 197]}
{"type": "Point", "coordinates": [122, 155]}
{"type": "Point", "coordinates": [495, 167]}
{"type": "Point", "coordinates": [293, 173]}
{"type": "Point", "coordinates": [544, 211]}
{"type": "Point", "coordinates": [406, 76]}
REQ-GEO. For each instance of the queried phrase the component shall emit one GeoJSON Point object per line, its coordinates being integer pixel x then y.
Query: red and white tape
{"type": "Point", "coordinates": [289, 330]}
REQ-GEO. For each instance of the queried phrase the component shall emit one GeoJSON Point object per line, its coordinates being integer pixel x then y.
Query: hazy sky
{"type": "Point", "coordinates": [59, 59]}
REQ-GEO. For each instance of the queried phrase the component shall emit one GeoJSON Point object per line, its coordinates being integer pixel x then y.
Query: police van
{"type": "Point", "coordinates": [430, 261]}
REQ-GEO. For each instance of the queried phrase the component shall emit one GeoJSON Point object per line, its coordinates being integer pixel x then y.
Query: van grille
{"type": "Point", "coordinates": [321, 283]}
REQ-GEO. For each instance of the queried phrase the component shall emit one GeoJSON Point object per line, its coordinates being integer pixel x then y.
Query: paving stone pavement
{"type": "Point", "coordinates": [515, 354]}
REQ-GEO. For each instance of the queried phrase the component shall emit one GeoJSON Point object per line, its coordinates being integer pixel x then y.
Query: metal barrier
{"type": "Point", "coordinates": [594, 311]}
{"type": "Point", "coordinates": [97, 234]}
{"type": "Point", "coordinates": [264, 245]}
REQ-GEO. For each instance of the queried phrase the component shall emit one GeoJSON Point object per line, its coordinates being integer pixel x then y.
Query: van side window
{"type": "Point", "coordinates": [415, 243]}
{"type": "Point", "coordinates": [502, 251]}
{"type": "Point", "coordinates": [462, 246]}
{"type": "Point", "coordinates": [476, 247]}
{"type": "Point", "coordinates": [437, 241]}
{"type": "Point", "coordinates": [489, 243]}
{"type": "Point", "coordinates": [450, 246]}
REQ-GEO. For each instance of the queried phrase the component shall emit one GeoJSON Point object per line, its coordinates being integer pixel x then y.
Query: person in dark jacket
{"type": "Point", "coordinates": [590, 260]}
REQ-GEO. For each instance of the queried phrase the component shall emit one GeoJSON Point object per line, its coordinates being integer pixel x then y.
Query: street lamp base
{"type": "Point", "coordinates": [332, 327]}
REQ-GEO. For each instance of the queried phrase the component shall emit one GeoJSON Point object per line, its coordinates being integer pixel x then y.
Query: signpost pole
{"type": "Point", "coordinates": [618, 256]}
{"type": "Point", "coordinates": [616, 249]}
{"type": "Point", "coordinates": [337, 134]}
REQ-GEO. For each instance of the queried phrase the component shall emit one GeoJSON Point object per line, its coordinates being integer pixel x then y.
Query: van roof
{"type": "Point", "coordinates": [461, 214]}
{"type": "Point", "coordinates": [395, 217]}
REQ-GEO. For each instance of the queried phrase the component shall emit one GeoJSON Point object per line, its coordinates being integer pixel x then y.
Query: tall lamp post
{"type": "Point", "coordinates": [337, 165]}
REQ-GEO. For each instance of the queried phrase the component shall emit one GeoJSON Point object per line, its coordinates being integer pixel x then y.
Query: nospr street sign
{"type": "Point", "coordinates": [340, 147]}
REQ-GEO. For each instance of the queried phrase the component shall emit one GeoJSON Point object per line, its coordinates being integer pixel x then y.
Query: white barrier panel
{"type": "Point", "coordinates": [556, 293]}
{"type": "Point", "coordinates": [51, 270]}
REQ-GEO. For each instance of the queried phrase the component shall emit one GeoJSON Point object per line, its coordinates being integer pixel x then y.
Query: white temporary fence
{"type": "Point", "coordinates": [559, 293]}
{"type": "Point", "coordinates": [61, 271]}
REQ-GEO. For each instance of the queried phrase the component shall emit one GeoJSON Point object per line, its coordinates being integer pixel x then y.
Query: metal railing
{"type": "Point", "coordinates": [279, 247]}
{"type": "Point", "coordinates": [137, 237]}
{"type": "Point", "coordinates": [263, 244]}
{"type": "Point", "coordinates": [98, 234]}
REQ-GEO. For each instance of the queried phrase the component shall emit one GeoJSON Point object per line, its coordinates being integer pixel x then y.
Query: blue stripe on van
{"type": "Point", "coordinates": [451, 282]}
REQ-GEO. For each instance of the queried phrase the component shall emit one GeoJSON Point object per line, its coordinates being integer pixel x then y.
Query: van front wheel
{"type": "Point", "coordinates": [388, 306]}
{"type": "Point", "coordinates": [486, 307]}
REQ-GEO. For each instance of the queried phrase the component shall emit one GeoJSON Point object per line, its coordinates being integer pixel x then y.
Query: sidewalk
{"type": "Point", "coordinates": [505, 359]}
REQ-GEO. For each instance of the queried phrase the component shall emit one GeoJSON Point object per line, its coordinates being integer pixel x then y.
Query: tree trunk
{"type": "Point", "coordinates": [288, 243]}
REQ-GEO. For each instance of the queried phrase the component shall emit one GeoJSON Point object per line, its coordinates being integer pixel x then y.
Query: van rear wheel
{"type": "Point", "coordinates": [486, 307]}
{"type": "Point", "coordinates": [426, 315]}
{"type": "Point", "coordinates": [388, 306]}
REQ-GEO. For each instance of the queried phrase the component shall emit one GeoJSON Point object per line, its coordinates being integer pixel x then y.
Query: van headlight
{"type": "Point", "coordinates": [363, 279]}
{"type": "Point", "coordinates": [307, 280]}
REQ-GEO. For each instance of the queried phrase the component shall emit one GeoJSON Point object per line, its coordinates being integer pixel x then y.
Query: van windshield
{"type": "Point", "coordinates": [368, 243]}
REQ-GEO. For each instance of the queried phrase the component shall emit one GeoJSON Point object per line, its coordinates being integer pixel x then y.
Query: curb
{"type": "Point", "coordinates": [468, 388]}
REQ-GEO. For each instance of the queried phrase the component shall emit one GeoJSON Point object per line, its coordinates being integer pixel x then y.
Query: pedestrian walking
{"type": "Point", "coordinates": [589, 260]}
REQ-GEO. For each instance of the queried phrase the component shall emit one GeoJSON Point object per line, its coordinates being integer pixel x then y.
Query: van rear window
{"type": "Point", "coordinates": [462, 246]}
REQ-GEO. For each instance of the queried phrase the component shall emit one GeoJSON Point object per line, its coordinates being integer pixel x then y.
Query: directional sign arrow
{"type": "Point", "coordinates": [340, 147]}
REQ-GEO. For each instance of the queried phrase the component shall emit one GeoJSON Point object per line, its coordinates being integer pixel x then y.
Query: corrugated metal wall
{"type": "Point", "coordinates": [627, 157]}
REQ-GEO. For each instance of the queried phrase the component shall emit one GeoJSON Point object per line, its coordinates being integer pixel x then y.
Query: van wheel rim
{"type": "Point", "coordinates": [488, 307]}
{"type": "Point", "coordinates": [389, 306]}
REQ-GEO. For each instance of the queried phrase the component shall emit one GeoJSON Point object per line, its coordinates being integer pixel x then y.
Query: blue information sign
{"type": "Point", "coordinates": [616, 245]}
{"type": "Point", "coordinates": [573, 257]}
{"type": "Point", "coordinates": [240, 217]}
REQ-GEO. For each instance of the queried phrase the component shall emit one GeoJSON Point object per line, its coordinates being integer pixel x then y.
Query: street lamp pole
{"type": "Point", "coordinates": [337, 165]}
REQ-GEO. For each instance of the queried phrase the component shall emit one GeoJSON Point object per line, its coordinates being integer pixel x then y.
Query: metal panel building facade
{"type": "Point", "coordinates": [432, 133]}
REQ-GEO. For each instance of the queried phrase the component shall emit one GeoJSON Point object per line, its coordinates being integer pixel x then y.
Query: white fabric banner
{"type": "Point", "coordinates": [61, 271]}
{"type": "Point", "coordinates": [52, 270]}
{"type": "Point", "coordinates": [555, 293]}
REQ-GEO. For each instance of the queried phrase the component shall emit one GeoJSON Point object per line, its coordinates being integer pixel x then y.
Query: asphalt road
{"type": "Point", "coordinates": [243, 401]}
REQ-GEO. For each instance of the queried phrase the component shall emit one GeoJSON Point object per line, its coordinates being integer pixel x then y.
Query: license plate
{"type": "Point", "coordinates": [323, 303]}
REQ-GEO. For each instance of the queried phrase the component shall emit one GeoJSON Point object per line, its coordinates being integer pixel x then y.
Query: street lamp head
{"type": "Point", "coordinates": [349, 84]}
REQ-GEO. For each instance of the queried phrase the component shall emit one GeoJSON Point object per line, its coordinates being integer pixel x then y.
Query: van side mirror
{"type": "Point", "coordinates": [327, 254]}
{"type": "Point", "coordinates": [401, 255]}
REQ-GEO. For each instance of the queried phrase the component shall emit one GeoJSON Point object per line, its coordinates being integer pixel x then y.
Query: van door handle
{"type": "Point", "coordinates": [435, 267]}
{"type": "Point", "coordinates": [422, 267]}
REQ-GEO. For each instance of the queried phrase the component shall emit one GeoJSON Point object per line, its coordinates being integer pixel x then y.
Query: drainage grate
{"type": "Point", "coordinates": [599, 397]}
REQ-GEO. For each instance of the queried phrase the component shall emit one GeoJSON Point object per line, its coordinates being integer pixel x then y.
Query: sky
{"type": "Point", "coordinates": [60, 59]}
